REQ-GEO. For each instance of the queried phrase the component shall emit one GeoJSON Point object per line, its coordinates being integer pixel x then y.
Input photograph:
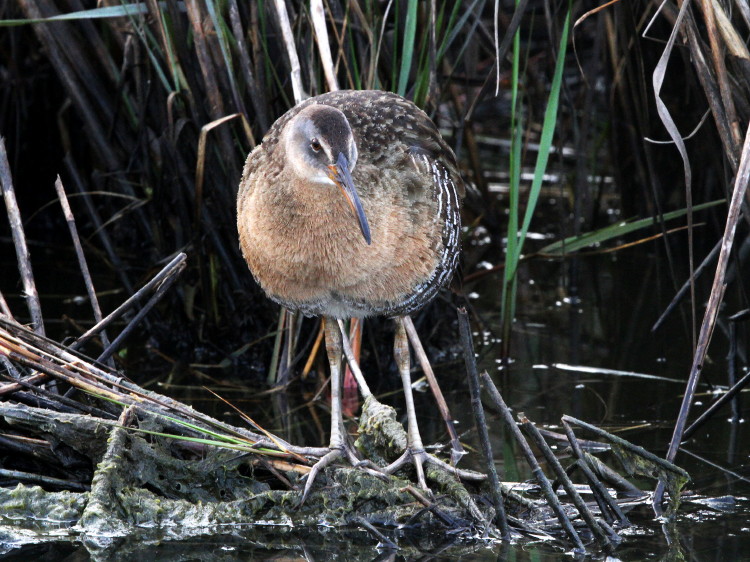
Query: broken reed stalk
{"type": "Point", "coordinates": [712, 309]}
{"type": "Point", "coordinates": [36, 352]}
{"type": "Point", "coordinates": [19, 240]}
{"type": "Point", "coordinates": [4, 308]}
{"type": "Point", "coordinates": [22, 381]}
{"type": "Point", "coordinates": [351, 360]}
{"type": "Point", "coordinates": [638, 460]}
{"type": "Point", "coordinates": [541, 478]}
{"type": "Point", "coordinates": [101, 232]}
{"type": "Point", "coordinates": [29, 384]}
{"type": "Point", "coordinates": [161, 281]}
{"type": "Point", "coordinates": [620, 442]}
{"type": "Point", "coordinates": [604, 509]}
{"type": "Point", "coordinates": [14, 374]}
{"type": "Point", "coordinates": [726, 397]}
{"type": "Point", "coordinates": [155, 298]}
{"type": "Point", "coordinates": [176, 264]}
{"type": "Point", "coordinates": [82, 261]}
{"type": "Point", "coordinates": [567, 484]}
{"type": "Point", "coordinates": [611, 477]}
{"type": "Point", "coordinates": [480, 421]}
{"type": "Point", "coordinates": [457, 450]}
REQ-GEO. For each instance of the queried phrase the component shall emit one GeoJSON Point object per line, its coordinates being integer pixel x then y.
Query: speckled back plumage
{"type": "Point", "coordinates": [304, 247]}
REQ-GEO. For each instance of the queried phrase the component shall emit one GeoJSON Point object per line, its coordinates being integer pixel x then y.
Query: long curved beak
{"type": "Point", "coordinates": [341, 175]}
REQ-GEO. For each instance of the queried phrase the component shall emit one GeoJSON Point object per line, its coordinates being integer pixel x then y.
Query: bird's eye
{"type": "Point", "coordinates": [315, 145]}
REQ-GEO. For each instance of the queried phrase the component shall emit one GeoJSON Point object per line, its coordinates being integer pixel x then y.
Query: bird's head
{"type": "Point", "coordinates": [321, 149]}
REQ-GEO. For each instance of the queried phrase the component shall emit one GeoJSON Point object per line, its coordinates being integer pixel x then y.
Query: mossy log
{"type": "Point", "coordinates": [143, 480]}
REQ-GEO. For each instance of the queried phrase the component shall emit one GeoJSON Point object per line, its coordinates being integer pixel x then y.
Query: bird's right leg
{"type": "Point", "coordinates": [338, 445]}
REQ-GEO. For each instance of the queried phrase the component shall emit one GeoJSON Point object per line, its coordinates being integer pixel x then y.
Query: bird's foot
{"type": "Point", "coordinates": [325, 460]}
{"type": "Point", "coordinates": [420, 457]}
{"type": "Point", "coordinates": [339, 452]}
{"type": "Point", "coordinates": [417, 457]}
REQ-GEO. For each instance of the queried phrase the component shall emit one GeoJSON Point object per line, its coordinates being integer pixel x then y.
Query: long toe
{"type": "Point", "coordinates": [324, 461]}
{"type": "Point", "coordinates": [421, 457]}
{"type": "Point", "coordinates": [345, 452]}
{"type": "Point", "coordinates": [415, 457]}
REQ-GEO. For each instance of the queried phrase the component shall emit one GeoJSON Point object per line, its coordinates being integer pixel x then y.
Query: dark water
{"type": "Point", "coordinates": [581, 346]}
{"type": "Point", "coordinates": [569, 348]}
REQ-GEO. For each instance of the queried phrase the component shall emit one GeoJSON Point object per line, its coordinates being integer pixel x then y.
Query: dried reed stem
{"type": "Point", "coordinates": [712, 309]}
{"type": "Point", "coordinates": [536, 470]}
{"type": "Point", "coordinates": [324, 47]}
{"type": "Point", "coordinates": [291, 50]}
{"type": "Point", "coordinates": [19, 240]}
{"type": "Point", "coordinates": [457, 450]}
{"type": "Point", "coordinates": [81, 259]}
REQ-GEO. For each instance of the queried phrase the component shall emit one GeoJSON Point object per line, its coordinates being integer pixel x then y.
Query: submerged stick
{"type": "Point", "coordinates": [541, 478]}
{"type": "Point", "coordinates": [554, 464]}
{"type": "Point", "coordinates": [481, 423]}
{"type": "Point", "coordinates": [385, 542]}
{"type": "Point", "coordinates": [19, 240]}
{"type": "Point", "coordinates": [600, 492]}
{"type": "Point", "coordinates": [81, 259]}
{"type": "Point", "coordinates": [457, 450]}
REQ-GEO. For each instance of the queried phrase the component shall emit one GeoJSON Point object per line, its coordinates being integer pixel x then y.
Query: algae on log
{"type": "Point", "coordinates": [143, 480]}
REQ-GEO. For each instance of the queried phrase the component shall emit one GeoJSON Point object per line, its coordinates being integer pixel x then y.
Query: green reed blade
{"type": "Point", "coordinates": [575, 243]}
{"type": "Point", "coordinates": [407, 54]}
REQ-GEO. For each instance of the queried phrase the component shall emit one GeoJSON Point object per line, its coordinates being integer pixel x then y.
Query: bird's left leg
{"type": "Point", "coordinates": [414, 449]}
